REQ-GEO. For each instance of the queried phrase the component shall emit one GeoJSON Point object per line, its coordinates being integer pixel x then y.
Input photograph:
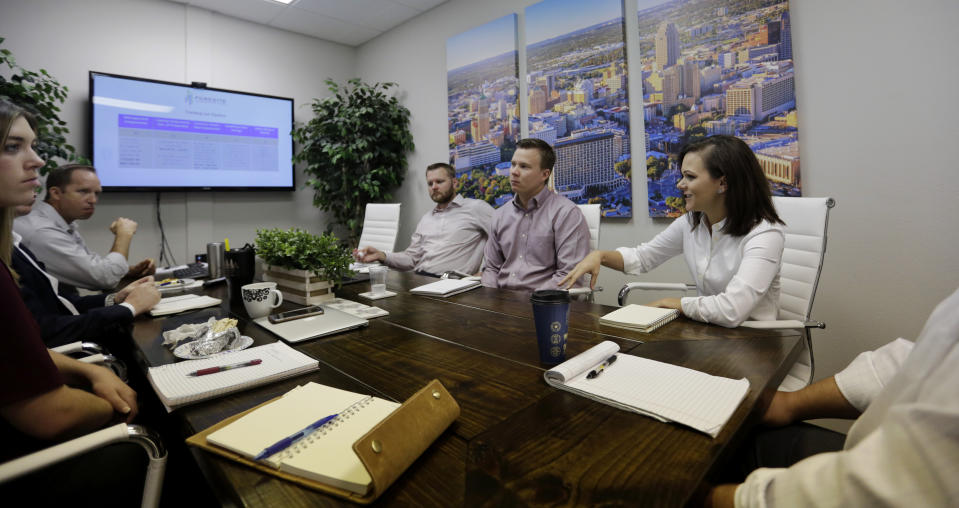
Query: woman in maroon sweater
{"type": "Point", "coordinates": [43, 395]}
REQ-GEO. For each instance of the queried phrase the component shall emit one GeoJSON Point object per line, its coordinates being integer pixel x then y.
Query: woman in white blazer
{"type": "Point", "coordinates": [731, 237]}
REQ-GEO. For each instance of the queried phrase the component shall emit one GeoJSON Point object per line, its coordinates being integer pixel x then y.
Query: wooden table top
{"type": "Point", "coordinates": [517, 441]}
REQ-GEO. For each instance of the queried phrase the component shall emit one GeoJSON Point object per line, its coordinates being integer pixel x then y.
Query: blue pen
{"type": "Point", "coordinates": [288, 441]}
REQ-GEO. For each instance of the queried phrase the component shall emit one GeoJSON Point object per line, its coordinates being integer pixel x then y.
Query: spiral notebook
{"type": "Point", "coordinates": [325, 455]}
{"type": "Point", "coordinates": [659, 390]}
{"type": "Point", "coordinates": [639, 317]}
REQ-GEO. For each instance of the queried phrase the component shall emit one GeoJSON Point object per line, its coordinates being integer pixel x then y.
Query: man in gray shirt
{"type": "Point", "coordinates": [539, 236]}
{"type": "Point", "coordinates": [450, 237]}
{"type": "Point", "coordinates": [50, 232]}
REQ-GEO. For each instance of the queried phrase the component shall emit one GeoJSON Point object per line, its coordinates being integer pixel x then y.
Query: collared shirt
{"type": "Point", "coordinates": [535, 247]}
{"type": "Point", "coordinates": [65, 254]}
{"type": "Point", "coordinates": [904, 449]}
{"type": "Point", "coordinates": [450, 238]}
{"type": "Point", "coordinates": [737, 277]}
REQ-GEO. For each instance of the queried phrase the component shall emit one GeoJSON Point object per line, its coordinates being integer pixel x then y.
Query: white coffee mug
{"type": "Point", "coordinates": [260, 298]}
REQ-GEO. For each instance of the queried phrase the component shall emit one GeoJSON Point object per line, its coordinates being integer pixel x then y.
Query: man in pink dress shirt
{"type": "Point", "coordinates": [538, 237]}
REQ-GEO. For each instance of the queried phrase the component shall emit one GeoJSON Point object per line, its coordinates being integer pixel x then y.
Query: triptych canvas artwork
{"type": "Point", "coordinates": [714, 67]}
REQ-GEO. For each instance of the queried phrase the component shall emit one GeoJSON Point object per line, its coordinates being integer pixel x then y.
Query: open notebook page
{"type": "Point", "coordinates": [327, 454]}
{"type": "Point", "coordinates": [661, 390]}
{"type": "Point", "coordinates": [297, 409]}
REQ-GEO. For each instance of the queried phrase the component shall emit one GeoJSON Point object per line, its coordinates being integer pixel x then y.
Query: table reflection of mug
{"type": "Point", "coordinates": [260, 298]}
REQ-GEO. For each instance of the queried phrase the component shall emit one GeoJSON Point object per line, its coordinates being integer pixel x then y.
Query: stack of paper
{"type": "Point", "coordinates": [174, 304]}
{"type": "Point", "coordinates": [446, 287]}
{"type": "Point", "coordinates": [639, 317]}
{"type": "Point", "coordinates": [175, 385]}
{"type": "Point", "coordinates": [656, 389]}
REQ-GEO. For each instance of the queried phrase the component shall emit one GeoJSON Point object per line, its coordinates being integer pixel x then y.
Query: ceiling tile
{"type": "Point", "coordinates": [301, 21]}
{"type": "Point", "coordinates": [381, 15]}
{"type": "Point", "coordinates": [350, 22]}
{"type": "Point", "coordinates": [251, 10]}
{"type": "Point", "coordinates": [421, 5]}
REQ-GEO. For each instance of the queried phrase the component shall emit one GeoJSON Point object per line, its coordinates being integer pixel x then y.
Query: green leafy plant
{"type": "Point", "coordinates": [296, 249]}
{"type": "Point", "coordinates": [40, 94]}
{"type": "Point", "coordinates": [354, 150]}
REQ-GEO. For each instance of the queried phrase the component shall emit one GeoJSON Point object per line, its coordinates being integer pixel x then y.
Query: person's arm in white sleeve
{"type": "Point", "coordinates": [762, 257]}
{"type": "Point", "coordinates": [667, 244]}
{"type": "Point", "coordinates": [869, 372]}
{"type": "Point", "coordinates": [911, 459]}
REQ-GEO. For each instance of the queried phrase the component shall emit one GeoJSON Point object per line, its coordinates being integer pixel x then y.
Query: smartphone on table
{"type": "Point", "coordinates": [290, 315]}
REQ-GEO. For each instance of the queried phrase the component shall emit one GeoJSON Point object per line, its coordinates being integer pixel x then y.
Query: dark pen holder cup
{"type": "Point", "coordinates": [551, 315]}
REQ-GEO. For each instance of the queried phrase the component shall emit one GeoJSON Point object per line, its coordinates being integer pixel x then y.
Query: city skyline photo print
{"type": "Point", "coordinates": [482, 79]}
{"type": "Point", "coordinates": [578, 101]}
{"type": "Point", "coordinates": [717, 67]}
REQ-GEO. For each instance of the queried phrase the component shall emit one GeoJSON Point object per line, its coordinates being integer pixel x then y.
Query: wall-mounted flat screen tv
{"type": "Point", "coordinates": [155, 135]}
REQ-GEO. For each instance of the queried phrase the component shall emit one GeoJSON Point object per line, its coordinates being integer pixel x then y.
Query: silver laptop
{"type": "Point", "coordinates": [330, 322]}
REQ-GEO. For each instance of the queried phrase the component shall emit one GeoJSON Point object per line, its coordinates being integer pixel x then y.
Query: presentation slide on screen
{"type": "Point", "coordinates": [160, 135]}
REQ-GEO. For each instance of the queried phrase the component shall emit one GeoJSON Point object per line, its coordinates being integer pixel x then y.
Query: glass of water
{"type": "Point", "coordinates": [378, 279]}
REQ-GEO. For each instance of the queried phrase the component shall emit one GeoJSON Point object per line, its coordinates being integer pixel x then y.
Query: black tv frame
{"type": "Point", "coordinates": [194, 85]}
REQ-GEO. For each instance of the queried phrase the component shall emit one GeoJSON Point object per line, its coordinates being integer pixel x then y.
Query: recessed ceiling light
{"type": "Point", "coordinates": [286, 2]}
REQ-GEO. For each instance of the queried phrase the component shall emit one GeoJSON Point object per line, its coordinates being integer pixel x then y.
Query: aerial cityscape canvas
{"type": "Point", "coordinates": [578, 100]}
{"type": "Point", "coordinates": [482, 79]}
{"type": "Point", "coordinates": [717, 67]}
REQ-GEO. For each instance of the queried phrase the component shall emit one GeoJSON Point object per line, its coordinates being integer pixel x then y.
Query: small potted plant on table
{"type": "Point", "coordinates": [305, 267]}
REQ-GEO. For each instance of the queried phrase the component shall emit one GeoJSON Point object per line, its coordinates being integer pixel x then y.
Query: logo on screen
{"type": "Point", "coordinates": [192, 98]}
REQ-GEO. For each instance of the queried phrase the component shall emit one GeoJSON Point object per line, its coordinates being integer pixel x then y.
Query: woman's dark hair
{"type": "Point", "coordinates": [747, 197]}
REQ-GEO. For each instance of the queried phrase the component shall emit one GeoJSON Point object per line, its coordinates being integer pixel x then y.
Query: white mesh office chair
{"type": "Point", "coordinates": [380, 226]}
{"type": "Point", "coordinates": [121, 432]}
{"type": "Point", "coordinates": [806, 221]}
{"type": "Point", "coordinates": [381, 223]}
{"type": "Point", "coordinates": [592, 214]}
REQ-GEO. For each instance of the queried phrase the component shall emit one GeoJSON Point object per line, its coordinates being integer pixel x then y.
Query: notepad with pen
{"type": "Point", "coordinates": [355, 455]}
{"type": "Point", "coordinates": [659, 390]}
{"type": "Point", "coordinates": [178, 384]}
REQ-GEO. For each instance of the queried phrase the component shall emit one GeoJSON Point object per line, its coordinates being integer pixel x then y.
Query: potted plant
{"type": "Point", "coordinates": [354, 150]}
{"type": "Point", "coordinates": [40, 94]}
{"type": "Point", "coordinates": [304, 266]}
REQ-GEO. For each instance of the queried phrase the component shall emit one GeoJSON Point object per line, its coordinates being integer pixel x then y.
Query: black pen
{"type": "Point", "coordinates": [599, 370]}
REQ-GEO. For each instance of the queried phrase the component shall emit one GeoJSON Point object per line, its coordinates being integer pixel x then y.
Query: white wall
{"type": "Point", "coordinates": [878, 132]}
{"type": "Point", "coordinates": [172, 42]}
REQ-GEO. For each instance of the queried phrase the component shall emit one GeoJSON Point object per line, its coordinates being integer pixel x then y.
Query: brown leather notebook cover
{"type": "Point", "coordinates": [386, 450]}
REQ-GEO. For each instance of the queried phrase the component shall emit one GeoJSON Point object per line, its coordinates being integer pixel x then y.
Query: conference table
{"type": "Point", "coordinates": [517, 441]}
